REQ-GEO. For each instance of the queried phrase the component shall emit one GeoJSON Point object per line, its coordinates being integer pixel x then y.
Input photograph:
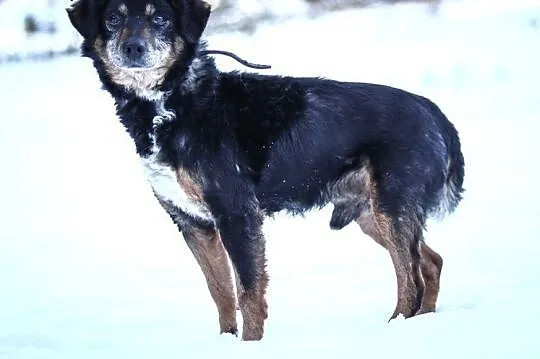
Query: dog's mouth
{"type": "Point", "coordinates": [136, 66]}
{"type": "Point", "coordinates": [134, 62]}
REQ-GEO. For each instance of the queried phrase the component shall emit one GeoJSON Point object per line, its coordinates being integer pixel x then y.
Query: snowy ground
{"type": "Point", "coordinates": [78, 279]}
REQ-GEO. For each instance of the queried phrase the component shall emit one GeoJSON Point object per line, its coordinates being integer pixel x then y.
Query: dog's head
{"type": "Point", "coordinates": [139, 40]}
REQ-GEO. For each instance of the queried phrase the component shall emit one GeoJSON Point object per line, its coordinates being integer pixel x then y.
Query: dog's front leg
{"type": "Point", "coordinates": [210, 254]}
{"type": "Point", "coordinates": [241, 233]}
{"type": "Point", "coordinates": [206, 245]}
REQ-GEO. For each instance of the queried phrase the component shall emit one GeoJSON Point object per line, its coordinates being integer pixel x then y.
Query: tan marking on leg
{"type": "Point", "coordinates": [410, 286]}
{"type": "Point", "coordinates": [408, 275]}
{"type": "Point", "coordinates": [367, 220]}
{"type": "Point", "coordinates": [431, 265]}
{"type": "Point", "coordinates": [369, 226]}
{"type": "Point", "coordinates": [252, 301]}
{"type": "Point", "coordinates": [359, 190]}
{"type": "Point", "coordinates": [213, 260]}
{"type": "Point", "coordinates": [253, 306]}
{"type": "Point", "coordinates": [122, 8]}
{"type": "Point", "coordinates": [190, 185]}
{"type": "Point", "coordinates": [150, 10]}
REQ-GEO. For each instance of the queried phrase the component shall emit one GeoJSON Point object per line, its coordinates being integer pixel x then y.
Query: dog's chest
{"type": "Point", "coordinates": [171, 185]}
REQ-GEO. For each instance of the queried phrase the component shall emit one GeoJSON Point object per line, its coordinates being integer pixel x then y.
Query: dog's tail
{"type": "Point", "coordinates": [452, 190]}
{"type": "Point", "coordinates": [456, 173]}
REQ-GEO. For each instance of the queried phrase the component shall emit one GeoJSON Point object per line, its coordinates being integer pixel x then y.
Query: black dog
{"type": "Point", "coordinates": [222, 150]}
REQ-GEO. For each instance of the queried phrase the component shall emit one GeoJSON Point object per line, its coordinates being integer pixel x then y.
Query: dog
{"type": "Point", "coordinates": [222, 150]}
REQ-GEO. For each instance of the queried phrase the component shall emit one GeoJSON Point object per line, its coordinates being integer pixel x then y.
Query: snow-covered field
{"type": "Point", "coordinates": [80, 279]}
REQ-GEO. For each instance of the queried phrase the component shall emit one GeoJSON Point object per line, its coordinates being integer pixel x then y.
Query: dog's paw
{"type": "Point", "coordinates": [230, 330]}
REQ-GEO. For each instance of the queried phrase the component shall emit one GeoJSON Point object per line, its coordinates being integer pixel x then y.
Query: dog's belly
{"type": "Point", "coordinates": [166, 186]}
{"type": "Point", "coordinates": [293, 198]}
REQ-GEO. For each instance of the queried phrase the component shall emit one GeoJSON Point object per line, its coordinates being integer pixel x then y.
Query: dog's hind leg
{"type": "Point", "coordinates": [431, 265]}
{"type": "Point", "coordinates": [209, 252]}
{"type": "Point", "coordinates": [355, 195]}
{"type": "Point", "coordinates": [403, 243]}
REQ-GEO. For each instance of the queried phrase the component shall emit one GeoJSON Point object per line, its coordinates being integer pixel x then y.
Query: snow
{"type": "Point", "coordinates": [91, 267]}
{"type": "Point", "coordinates": [49, 14]}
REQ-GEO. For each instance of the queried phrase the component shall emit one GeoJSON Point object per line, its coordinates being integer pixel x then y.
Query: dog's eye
{"type": "Point", "coordinates": [113, 20]}
{"type": "Point", "coordinates": [160, 20]}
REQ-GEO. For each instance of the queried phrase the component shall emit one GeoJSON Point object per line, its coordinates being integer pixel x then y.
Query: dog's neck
{"type": "Point", "coordinates": [197, 71]}
{"type": "Point", "coordinates": [144, 111]}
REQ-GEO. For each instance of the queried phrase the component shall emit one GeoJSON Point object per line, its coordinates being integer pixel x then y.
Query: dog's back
{"type": "Point", "coordinates": [310, 133]}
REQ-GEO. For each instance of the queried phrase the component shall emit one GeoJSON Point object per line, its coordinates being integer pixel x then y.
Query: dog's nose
{"type": "Point", "coordinates": [134, 48]}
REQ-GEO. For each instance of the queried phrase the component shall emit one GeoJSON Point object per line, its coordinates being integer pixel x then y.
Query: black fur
{"type": "Point", "coordinates": [262, 144]}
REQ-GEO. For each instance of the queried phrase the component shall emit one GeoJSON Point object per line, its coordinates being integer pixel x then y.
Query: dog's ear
{"type": "Point", "coordinates": [192, 18]}
{"type": "Point", "coordinates": [84, 16]}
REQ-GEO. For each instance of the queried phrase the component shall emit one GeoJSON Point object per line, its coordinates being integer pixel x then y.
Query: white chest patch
{"type": "Point", "coordinates": [164, 179]}
{"type": "Point", "coordinates": [165, 184]}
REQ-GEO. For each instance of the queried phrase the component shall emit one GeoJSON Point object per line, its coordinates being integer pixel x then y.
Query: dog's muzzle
{"type": "Point", "coordinates": [134, 51]}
